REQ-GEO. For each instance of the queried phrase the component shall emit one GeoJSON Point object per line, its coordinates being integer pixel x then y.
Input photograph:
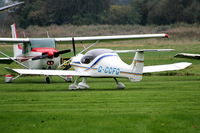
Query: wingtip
{"type": "Point", "coordinates": [166, 35]}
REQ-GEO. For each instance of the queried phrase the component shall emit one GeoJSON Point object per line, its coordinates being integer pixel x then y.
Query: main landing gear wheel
{"type": "Point", "coordinates": [8, 78]}
{"type": "Point", "coordinates": [82, 85]}
{"type": "Point", "coordinates": [48, 80]}
{"type": "Point", "coordinates": [120, 86]}
{"type": "Point", "coordinates": [73, 87]}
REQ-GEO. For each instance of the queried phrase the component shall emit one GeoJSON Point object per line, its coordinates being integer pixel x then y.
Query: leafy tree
{"type": "Point", "coordinates": [80, 12]}
{"type": "Point", "coordinates": [140, 11]}
{"type": "Point", "coordinates": [119, 15]}
{"type": "Point", "coordinates": [120, 2]}
{"type": "Point", "coordinates": [39, 12]}
{"type": "Point", "coordinates": [191, 13]}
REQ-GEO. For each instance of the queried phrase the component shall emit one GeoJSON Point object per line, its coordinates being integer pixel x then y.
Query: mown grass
{"type": "Point", "coordinates": [159, 103]}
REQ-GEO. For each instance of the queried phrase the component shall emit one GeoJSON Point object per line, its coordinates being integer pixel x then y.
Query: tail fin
{"type": "Point", "coordinates": [137, 66]}
{"type": "Point", "coordinates": [138, 62]}
{"type": "Point", "coordinates": [17, 48]}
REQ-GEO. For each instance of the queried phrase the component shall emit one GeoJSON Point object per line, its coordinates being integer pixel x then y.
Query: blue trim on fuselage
{"type": "Point", "coordinates": [97, 61]}
{"type": "Point", "coordinates": [100, 59]}
{"type": "Point", "coordinates": [88, 68]}
{"type": "Point", "coordinates": [77, 62]}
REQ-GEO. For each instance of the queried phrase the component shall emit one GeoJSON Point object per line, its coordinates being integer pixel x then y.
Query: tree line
{"type": "Point", "coordinates": [84, 12]}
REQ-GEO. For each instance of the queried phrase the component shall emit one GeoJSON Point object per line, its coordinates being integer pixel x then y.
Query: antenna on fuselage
{"type": "Point", "coordinates": [47, 34]}
{"type": "Point", "coordinates": [24, 34]}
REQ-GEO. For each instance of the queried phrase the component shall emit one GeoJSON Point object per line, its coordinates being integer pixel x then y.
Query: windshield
{"type": "Point", "coordinates": [92, 54]}
{"type": "Point", "coordinates": [42, 43]}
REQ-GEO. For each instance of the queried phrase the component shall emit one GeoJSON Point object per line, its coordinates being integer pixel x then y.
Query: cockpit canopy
{"type": "Point", "coordinates": [39, 43]}
{"type": "Point", "coordinates": [92, 54]}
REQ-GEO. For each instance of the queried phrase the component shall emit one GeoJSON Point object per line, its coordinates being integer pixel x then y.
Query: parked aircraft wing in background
{"type": "Point", "coordinates": [111, 38]}
{"type": "Point", "coordinates": [187, 55]}
{"type": "Point", "coordinates": [88, 39]}
{"type": "Point", "coordinates": [10, 6]}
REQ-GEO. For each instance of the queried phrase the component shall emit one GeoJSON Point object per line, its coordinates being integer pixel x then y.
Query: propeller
{"type": "Point", "coordinates": [50, 55]}
{"type": "Point", "coordinates": [74, 51]}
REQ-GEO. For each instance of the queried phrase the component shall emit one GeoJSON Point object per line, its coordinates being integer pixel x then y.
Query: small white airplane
{"type": "Point", "coordinates": [106, 63]}
{"type": "Point", "coordinates": [11, 6]}
{"type": "Point", "coordinates": [187, 55]}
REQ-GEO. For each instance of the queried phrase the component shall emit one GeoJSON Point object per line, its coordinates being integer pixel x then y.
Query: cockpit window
{"type": "Point", "coordinates": [87, 59]}
{"type": "Point", "coordinates": [42, 43]}
{"type": "Point", "coordinates": [92, 54]}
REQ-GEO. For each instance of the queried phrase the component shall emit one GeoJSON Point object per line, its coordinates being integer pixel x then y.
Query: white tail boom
{"type": "Point", "coordinates": [138, 62]}
{"type": "Point", "coordinates": [17, 48]}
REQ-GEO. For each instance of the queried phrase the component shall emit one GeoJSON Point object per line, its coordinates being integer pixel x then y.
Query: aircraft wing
{"type": "Point", "coordinates": [47, 72]}
{"type": "Point", "coordinates": [6, 60]}
{"type": "Point", "coordinates": [187, 55]}
{"type": "Point", "coordinates": [10, 6]}
{"type": "Point", "coordinates": [87, 39]}
{"type": "Point", "coordinates": [168, 67]}
{"type": "Point", "coordinates": [111, 38]}
{"type": "Point", "coordinates": [143, 50]}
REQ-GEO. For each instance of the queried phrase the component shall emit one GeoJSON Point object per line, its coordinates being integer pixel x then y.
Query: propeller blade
{"type": "Point", "coordinates": [56, 54]}
{"type": "Point", "coordinates": [74, 47]}
{"type": "Point", "coordinates": [40, 57]}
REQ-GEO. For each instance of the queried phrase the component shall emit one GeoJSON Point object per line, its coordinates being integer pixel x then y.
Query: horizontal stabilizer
{"type": "Point", "coordinates": [50, 72]}
{"type": "Point", "coordinates": [9, 70]}
{"type": "Point", "coordinates": [187, 55]}
{"type": "Point", "coordinates": [6, 60]}
{"type": "Point", "coordinates": [168, 67]}
{"type": "Point", "coordinates": [143, 50]}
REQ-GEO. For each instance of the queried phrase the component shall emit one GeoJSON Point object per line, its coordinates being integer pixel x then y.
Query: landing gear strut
{"type": "Point", "coordinates": [48, 80]}
{"type": "Point", "coordinates": [9, 78]}
{"type": "Point", "coordinates": [120, 85]}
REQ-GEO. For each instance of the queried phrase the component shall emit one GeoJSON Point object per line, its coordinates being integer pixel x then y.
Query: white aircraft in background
{"type": "Point", "coordinates": [187, 55]}
{"type": "Point", "coordinates": [11, 6]}
{"type": "Point", "coordinates": [33, 53]}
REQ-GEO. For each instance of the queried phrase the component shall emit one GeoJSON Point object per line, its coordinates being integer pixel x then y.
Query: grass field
{"type": "Point", "coordinates": [157, 104]}
{"type": "Point", "coordinates": [167, 102]}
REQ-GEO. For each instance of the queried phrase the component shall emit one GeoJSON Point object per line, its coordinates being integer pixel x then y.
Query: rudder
{"type": "Point", "coordinates": [137, 67]}
{"type": "Point", "coordinates": [17, 48]}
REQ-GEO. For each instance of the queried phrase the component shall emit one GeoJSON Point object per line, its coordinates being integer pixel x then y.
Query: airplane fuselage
{"type": "Point", "coordinates": [46, 63]}
{"type": "Point", "coordinates": [105, 65]}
